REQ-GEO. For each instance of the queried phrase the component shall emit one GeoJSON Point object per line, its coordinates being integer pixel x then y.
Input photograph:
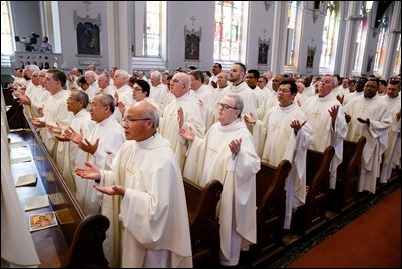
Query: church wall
{"type": "Point", "coordinates": [179, 16]}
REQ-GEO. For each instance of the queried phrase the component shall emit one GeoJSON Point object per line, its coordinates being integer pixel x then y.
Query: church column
{"type": "Point", "coordinates": [279, 36]}
{"type": "Point", "coordinates": [349, 44]}
{"type": "Point", "coordinates": [119, 48]}
{"type": "Point", "coordinates": [392, 42]}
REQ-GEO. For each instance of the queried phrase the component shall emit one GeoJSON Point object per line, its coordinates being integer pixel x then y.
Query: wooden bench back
{"type": "Point", "coordinates": [348, 173]}
{"type": "Point", "coordinates": [271, 203]}
{"type": "Point", "coordinates": [312, 214]}
{"type": "Point", "coordinates": [204, 225]}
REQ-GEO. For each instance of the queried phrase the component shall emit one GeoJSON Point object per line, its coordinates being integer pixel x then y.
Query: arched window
{"type": "Point", "coordinates": [7, 44]}
{"type": "Point", "coordinates": [148, 32]}
{"type": "Point", "coordinates": [397, 66]}
{"type": "Point", "coordinates": [381, 44]}
{"type": "Point", "coordinates": [291, 33]}
{"type": "Point", "coordinates": [228, 34]}
{"type": "Point", "coordinates": [328, 37]}
{"type": "Point", "coordinates": [360, 40]}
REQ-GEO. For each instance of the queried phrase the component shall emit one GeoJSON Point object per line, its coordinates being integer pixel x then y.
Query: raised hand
{"type": "Point", "coordinates": [364, 121]}
{"type": "Point", "coordinates": [296, 125]}
{"type": "Point", "coordinates": [90, 172]}
{"type": "Point", "coordinates": [86, 146]}
{"type": "Point", "coordinates": [73, 136]}
{"type": "Point", "coordinates": [250, 118]}
{"type": "Point", "coordinates": [54, 129]}
{"type": "Point", "coordinates": [187, 134]}
{"type": "Point", "coordinates": [333, 112]}
{"type": "Point", "coordinates": [111, 190]}
{"type": "Point", "coordinates": [235, 146]}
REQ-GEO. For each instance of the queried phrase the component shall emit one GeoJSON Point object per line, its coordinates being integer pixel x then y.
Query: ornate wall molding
{"type": "Point", "coordinates": [78, 19]}
{"type": "Point", "coordinates": [192, 32]}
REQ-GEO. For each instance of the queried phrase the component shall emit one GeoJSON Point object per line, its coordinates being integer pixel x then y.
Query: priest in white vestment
{"type": "Point", "coordinates": [392, 154]}
{"type": "Point", "coordinates": [70, 154]}
{"type": "Point", "coordinates": [285, 134]}
{"type": "Point", "coordinates": [123, 91]}
{"type": "Point", "coordinates": [55, 111]}
{"type": "Point", "coordinates": [240, 87]}
{"type": "Point", "coordinates": [193, 116]}
{"type": "Point", "coordinates": [100, 148]}
{"type": "Point", "coordinates": [271, 100]}
{"type": "Point", "coordinates": [369, 116]}
{"type": "Point", "coordinates": [326, 117]}
{"type": "Point", "coordinates": [227, 154]}
{"type": "Point", "coordinates": [148, 195]}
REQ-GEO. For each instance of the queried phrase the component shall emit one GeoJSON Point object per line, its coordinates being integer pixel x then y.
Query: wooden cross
{"type": "Point", "coordinates": [87, 3]}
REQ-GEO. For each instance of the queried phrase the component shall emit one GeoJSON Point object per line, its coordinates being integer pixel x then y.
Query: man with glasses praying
{"type": "Point", "coordinates": [99, 149]}
{"type": "Point", "coordinates": [149, 193]}
{"type": "Point", "coordinates": [227, 154]}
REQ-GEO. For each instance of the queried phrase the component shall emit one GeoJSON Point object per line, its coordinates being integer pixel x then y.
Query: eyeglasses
{"type": "Point", "coordinates": [128, 120]}
{"type": "Point", "coordinates": [224, 106]}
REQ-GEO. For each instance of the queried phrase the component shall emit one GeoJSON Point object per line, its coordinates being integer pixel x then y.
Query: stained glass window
{"type": "Point", "coordinates": [291, 33]}
{"type": "Point", "coordinates": [381, 44]}
{"type": "Point", "coordinates": [328, 36]}
{"type": "Point", "coordinates": [228, 30]}
{"type": "Point", "coordinates": [397, 65]}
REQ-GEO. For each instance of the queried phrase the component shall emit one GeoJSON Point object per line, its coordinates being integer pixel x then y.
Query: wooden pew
{"type": "Point", "coordinates": [345, 194]}
{"type": "Point", "coordinates": [311, 215]}
{"type": "Point", "coordinates": [204, 225]}
{"type": "Point", "coordinates": [77, 239]}
{"type": "Point", "coordinates": [271, 205]}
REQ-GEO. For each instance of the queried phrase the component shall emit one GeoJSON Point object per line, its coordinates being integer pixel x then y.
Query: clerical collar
{"type": "Point", "coordinates": [147, 142]}
{"type": "Point", "coordinates": [238, 84]}
{"type": "Point", "coordinates": [286, 105]}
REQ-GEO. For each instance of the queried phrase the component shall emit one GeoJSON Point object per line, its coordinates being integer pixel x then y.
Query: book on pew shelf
{"type": "Point", "coordinates": [18, 155]}
{"type": "Point", "coordinates": [18, 144]}
{"type": "Point", "coordinates": [36, 202]}
{"type": "Point", "coordinates": [26, 180]}
{"type": "Point", "coordinates": [42, 221]}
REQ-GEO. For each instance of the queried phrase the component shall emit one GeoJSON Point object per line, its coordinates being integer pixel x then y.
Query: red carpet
{"type": "Point", "coordinates": [373, 240]}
